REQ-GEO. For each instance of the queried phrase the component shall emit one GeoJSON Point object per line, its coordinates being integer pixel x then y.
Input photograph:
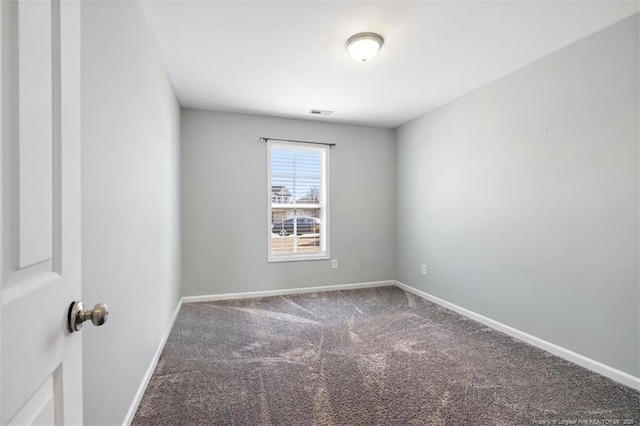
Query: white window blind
{"type": "Point", "coordinates": [298, 201]}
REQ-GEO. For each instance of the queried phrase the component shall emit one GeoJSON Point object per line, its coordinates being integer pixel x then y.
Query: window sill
{"type": "Point", "coordinates": [298, 258]}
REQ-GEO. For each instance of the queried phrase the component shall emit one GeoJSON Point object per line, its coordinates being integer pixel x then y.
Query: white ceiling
{"type": "Point", "coordinates": [284, 58]}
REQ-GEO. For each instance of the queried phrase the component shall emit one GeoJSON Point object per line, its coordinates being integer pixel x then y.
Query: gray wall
{"type": "Point", "coordinates": [130, 203]}
{"type": "Point", "coordinates": [224, 204]}
{"type": "Point", "coordinates": [522, 199]}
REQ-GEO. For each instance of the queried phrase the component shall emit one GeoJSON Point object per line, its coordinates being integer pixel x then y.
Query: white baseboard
{"type": "Point", "coordinates": [282, 292]}
{"type": "Point", "coordinates": [588, 363]}
{"type": "Point", "coordinates": [152, 366]}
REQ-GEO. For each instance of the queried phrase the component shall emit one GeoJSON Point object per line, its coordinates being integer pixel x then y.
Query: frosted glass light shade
{"type": "Point", "coordinates": [364, 46]}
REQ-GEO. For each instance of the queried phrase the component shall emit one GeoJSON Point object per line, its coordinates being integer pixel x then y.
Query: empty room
{"type": "Point", "coordinates": [320, 212]}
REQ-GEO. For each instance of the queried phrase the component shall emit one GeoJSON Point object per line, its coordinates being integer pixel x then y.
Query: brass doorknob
{"type": "Point", "coordinates": [77, 315]}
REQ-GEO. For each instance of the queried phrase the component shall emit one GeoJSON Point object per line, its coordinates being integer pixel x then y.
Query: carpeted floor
{"type": "Point", "coordinates": [377, 356]}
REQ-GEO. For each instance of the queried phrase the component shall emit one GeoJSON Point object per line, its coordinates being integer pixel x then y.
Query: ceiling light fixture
{"type": "Point", "coordinates": [364, 46]}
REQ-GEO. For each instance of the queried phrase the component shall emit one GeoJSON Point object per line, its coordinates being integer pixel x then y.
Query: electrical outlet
{"type": "Point", "coordinates": [334, 263]}
{"type": "Point", "coordinates": [424, 269]}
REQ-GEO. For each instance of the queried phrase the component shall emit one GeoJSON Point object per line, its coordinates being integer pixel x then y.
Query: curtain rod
{"type": "Point", "coordinates": [262, 138]}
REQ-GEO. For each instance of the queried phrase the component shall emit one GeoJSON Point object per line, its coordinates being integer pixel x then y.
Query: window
{"type": "Point", "coordinates": [298, 188]}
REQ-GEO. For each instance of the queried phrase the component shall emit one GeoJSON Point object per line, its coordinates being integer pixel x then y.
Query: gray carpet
{"type": "Point", "coordinates": [376, 356]}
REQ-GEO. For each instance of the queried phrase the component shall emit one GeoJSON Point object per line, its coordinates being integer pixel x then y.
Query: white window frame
{"type": "Point", "coordinates": [324, 216]}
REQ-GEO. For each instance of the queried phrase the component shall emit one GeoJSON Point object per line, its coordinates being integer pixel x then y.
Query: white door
{"type": "Point", "coordinates": [41, 375]}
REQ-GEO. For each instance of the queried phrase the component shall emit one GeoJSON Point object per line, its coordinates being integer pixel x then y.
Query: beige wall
{"type": "Point", "coordinates": [130, 203]}
{"type": "Point", "coordinates": [522, 199]}
{"type": "Point", "coordinates": [225, 244]}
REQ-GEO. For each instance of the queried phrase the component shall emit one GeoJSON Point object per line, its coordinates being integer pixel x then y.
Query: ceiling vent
{"type": "Point", "coordinates": [320, 112]}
